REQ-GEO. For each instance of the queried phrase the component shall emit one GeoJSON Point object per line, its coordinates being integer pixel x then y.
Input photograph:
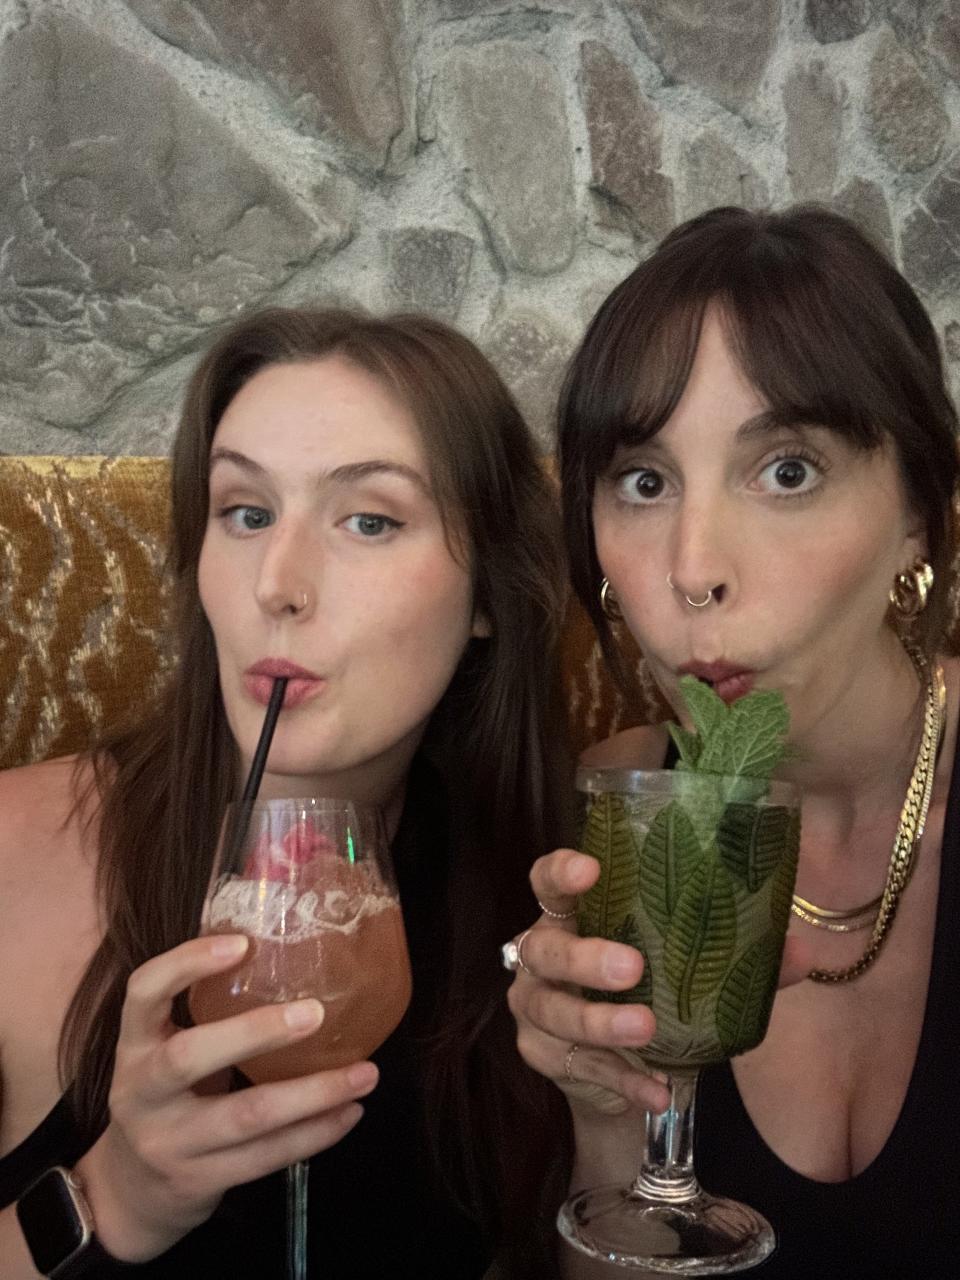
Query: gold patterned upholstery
{"type": "Point", "coordinates": [83, 635]}
{"type": "Point", "coordinates": [82, 595]}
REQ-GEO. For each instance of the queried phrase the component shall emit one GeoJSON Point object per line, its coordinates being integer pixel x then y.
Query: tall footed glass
{"type": "Point", "coordinates": [310, 882]}
{"type": "Point", "coordinates": [697, 872]}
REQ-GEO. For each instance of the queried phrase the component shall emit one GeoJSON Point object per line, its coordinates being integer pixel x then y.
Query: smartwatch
{"type": "Point", "coordinates": [58, 1227]}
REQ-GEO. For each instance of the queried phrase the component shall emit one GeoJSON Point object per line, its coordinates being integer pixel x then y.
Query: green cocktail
{"type": "Point", "coordinates": [697, 866]}
{"type": "Point", "coordinates": [697, 870]}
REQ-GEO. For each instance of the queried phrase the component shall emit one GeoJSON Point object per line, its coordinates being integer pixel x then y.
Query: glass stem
{"type": "Point", "coordinates": [297, 1220]}
{"type": "Point", "coordinates": [667, 1169]}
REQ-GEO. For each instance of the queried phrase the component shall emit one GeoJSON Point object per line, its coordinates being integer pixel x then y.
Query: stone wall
{"type": "Point", "coordinates": [166, 164]}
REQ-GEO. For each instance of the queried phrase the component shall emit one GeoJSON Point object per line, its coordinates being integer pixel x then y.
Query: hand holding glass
{"type": "Point", "coordinates": [697, 872]}
{"type": "Point", "coordinates": [310, 882]}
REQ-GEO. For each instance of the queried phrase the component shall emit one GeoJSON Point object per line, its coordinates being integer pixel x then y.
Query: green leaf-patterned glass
{"type": "Point", "coordinates": [696, 871]}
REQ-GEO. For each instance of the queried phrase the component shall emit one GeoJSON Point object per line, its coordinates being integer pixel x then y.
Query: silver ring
{"type": "Point", "coordinates": [568, 1063]}
{"type": "Point", "coordinates": [694, 604]}
{"type": "Point", "coordinates": [511, 954]}
{"type": "Point", "coordinates": [556, 915]}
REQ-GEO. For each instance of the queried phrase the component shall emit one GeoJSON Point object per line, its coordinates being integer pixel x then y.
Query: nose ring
{"type": "Point", "coordinates": [694, 604]}
{"type": "Point", "coordinates": [299, 608]}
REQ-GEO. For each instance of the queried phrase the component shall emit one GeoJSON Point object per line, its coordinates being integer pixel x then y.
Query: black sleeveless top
{"type": "Point", "coordinates": [900, 1217]}
{"type": "Point", "coordinates": [377, 1204]}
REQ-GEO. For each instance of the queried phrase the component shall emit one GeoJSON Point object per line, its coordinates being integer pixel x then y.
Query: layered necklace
{"type": "Point", "coordinates": [881, 911]}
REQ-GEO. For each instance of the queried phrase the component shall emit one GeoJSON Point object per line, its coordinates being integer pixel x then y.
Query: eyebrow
{"type": "Point", "coordinates": [348, 473]}
{"type": "Point", "coordinates": [760, 425]}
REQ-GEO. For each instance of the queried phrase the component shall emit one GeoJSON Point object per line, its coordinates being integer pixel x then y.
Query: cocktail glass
{"type": "Point", "coordinates": [310, 882]}
{"type": "Point", "coordinates": [697, 872]}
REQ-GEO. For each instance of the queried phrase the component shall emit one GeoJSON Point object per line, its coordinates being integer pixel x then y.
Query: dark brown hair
{"type": "Point", "coordinates": [493, 737]}
{"type": "Point", "coordinates": [825, 328]}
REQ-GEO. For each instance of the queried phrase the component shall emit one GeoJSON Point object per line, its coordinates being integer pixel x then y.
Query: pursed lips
{"type": "Point", "coordinates": [302, 684]}
{"type": "Point", "coordinates": [728, 680]}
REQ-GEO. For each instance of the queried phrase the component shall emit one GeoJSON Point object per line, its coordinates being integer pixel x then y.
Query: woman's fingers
{"type": "Point", "coordinates": [190, 1055]}
{"type": "Point", "coordinates": [556, 955]}
{"type": "Point", "coordinates": [557, 878]}
{"type": "Point", "coordinates": [242, 1118]}
{"type": "Point", "coordinates": [271, 1151]}
{"type": "Point", "coordinates": [152, 987]}
{"type": "Point", "coordinates": [565, 1016]}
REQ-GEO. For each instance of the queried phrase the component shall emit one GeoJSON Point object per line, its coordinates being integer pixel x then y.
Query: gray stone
{"type": "Point", "coordinates": [455, 9]}
{"type": "Point", "coordinates": [716, 174]}
{"type": "Point", "coordinates": [625, 136]}
{"type": "Point", "coordinates": [945, 40]}
{"type": "Point", "coordinates": [338, 67]}
{"type": "Point", "coordinates": [930, 239]}
{"type": "Point", "coordinates": [531, 354]}
{"type": "Point", "coordinates": [951, 342]}
{"type": "Point", "coordinates": [501, 120]}
{"type": "Point", "coordinates": [131, 220]}
{"type": "Point", "coordinates": [832, 20]}
{"type": "Point", "coordinates": [864, 203]}
{"type": "Point", "coordinates": [907, 118]}
{"type": "Point", "coordinates": [427, 269]}
{"type": "Point", "coordinates": [721, 48]}
{"type": "Point", "coordinates": [813, 103]}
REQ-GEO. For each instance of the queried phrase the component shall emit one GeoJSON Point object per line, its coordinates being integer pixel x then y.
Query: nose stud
{"type": "Point", "coordinates": [694, 604]}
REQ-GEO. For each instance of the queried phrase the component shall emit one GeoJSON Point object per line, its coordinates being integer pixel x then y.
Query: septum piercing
{"type": "Point", "coordinates": [694, 604]}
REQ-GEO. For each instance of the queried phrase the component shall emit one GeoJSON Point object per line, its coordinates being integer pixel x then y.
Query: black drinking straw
{"type": "Point", "coordinates": [252, 785]}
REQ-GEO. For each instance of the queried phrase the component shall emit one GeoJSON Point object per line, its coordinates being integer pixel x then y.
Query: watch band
{"type": "Point", "coordinates": [91, 1261]}
{"type": "Point", "coordinates": [57, 1225]}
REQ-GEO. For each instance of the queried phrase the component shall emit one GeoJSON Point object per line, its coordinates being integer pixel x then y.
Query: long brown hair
{"type": "Point", "coordinates": [824, 327]}
{"type": "Point", "coordinates": [163, 786]}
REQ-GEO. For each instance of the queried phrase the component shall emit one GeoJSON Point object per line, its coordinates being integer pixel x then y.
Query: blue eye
{"type": "Point", "coordinates": [370, 525]}
{"type": "Point", "coordinates": [640, 486]}
{"type": "Point", "coordinates": [243, 519]}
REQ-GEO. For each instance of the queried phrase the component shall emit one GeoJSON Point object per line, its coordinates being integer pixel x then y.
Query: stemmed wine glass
{"type": "Point", "coordinates": [310, 882]}
{"type": "Point", "coordinates": [697, 872]}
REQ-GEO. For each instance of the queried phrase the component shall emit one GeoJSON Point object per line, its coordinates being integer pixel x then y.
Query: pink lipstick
{"type": "Point", "coordinates": [301, 684]}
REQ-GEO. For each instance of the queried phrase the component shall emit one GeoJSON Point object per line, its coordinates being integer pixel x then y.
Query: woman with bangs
{"type": "Point", "coordinates": [758, 461]}
{"type": "Point", "coordinates": [359, 498]}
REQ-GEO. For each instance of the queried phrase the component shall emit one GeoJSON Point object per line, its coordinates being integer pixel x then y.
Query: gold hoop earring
{"type": "Point", "coordinates": [911, 589]}
{"type": "Point", "coordinates": [609, 603]}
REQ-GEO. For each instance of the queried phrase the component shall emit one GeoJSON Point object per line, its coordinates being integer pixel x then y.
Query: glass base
{"type": "Point", "coordinates": [702, 1236]}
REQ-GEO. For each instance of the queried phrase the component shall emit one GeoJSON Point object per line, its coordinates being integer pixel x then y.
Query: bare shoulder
{"type": "Point", "coordinates": [38, 804]}
{"type": "Point", "coordinates": [642, 747]}
{"type": "Point", "coordinates": [49, 928]}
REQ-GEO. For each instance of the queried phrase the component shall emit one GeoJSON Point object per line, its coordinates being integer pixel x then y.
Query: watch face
{"type": "Point", "coordinates": [51, 1222]}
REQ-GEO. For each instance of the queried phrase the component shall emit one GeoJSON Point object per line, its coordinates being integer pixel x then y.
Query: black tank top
{"type": "Point", "coordinates": [899, 1217]}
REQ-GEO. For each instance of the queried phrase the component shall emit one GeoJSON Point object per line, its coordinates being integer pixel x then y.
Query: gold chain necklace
{"type": "Point", "coordinates": [851, 921]}
{"type": "Point", "coordinates": [913, 817]}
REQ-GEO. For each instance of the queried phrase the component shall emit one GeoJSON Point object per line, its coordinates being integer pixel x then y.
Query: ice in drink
{"type": "Point", "coordinates": [337, 935]}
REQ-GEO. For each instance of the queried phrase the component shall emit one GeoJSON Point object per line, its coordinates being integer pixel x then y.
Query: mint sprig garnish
{"type": "Point", "coordinates": [746, 739]}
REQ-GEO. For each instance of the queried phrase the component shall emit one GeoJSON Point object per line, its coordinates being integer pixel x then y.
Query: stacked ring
{"type": "Point", "coordinates": [557, 915]}
{"type": "Point", "coordinates": [568, 1063]}
{"type": "Point", "coordinates": [511, 953]}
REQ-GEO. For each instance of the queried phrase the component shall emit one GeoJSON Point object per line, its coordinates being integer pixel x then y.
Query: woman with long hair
{"type": "Point", "coordinates": [361, 498]}
{"type": "Point", "coordinates": [759, 461]}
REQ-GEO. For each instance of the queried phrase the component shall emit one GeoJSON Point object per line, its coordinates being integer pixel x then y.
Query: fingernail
{"type": "Point", "coordinates": [303, 1014]}
{"type": "Point", "coordinates": [229, 944]}
{"type": "Point", "coordinates": [629, 1024]}
{"type": "Point", "coordinates": [363, 1076]}
{"type": "Point", "coordinates": [618, 966]}
{"type": "Point", "coordinates": [581, 863]}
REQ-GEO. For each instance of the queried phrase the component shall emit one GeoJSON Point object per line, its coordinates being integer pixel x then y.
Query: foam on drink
{"type": "Point", "coordinates": [336, 935]}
